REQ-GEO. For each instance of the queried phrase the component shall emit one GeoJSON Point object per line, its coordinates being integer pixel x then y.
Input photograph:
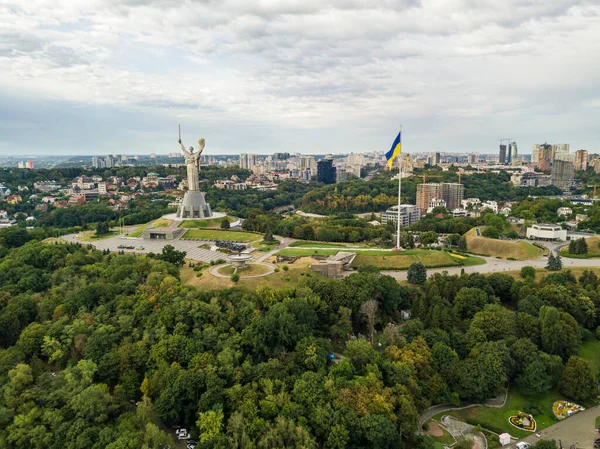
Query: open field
{"type": "Point", "coordinates": [210, 223]}
{"type": "Point", "coordinates": [295, 273]}
{"type": "Point", "coordinates": [496, 419]}
{"type": "Point", "coordinates": [593, 249]}
{"type": "Point", "coordinates": [501, 248]}
{"type": "Point", "coordinates": [137, 232]}
{"type": "Point", "coordinates": [217, 234]}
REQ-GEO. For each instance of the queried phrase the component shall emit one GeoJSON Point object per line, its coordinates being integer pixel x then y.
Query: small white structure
{"type": "Point", "coordinates": [182, 434]}
{"type": "Point", "coordinates": [504, 439]}
{"type": "Point", "coordinates": [564, 211]}
{"type": "Point", "coordinates": [523, 445]}
{"type": "Point", "coordinates": [544, 231]}
{"type": "Point", "coordinates": [491, 205]}
{"type": "Point", "coordinates": [436, 202]}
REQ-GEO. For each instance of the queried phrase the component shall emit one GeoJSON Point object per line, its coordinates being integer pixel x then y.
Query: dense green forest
{"type": "Point", "coordinates": [109, 351]}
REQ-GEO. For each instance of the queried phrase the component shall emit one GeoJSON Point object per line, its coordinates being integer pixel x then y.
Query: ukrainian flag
{"type": "Point", "coordinates": [394, 151]}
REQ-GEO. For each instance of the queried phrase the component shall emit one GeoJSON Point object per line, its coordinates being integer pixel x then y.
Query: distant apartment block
{"type": "Point", "coordinates": [247, 161]}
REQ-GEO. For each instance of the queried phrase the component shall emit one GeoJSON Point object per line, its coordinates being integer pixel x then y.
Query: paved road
{"type": "Point", "coordinates": [577, 428]}
{"type": "Point", "coordinates": [499, 265]}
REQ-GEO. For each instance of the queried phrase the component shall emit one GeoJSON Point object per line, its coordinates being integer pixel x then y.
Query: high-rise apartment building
{"type": "Point", "coordinates": [247, 161]}
{"type": "Point", "coordinates": [427, 192]}
{"type": "Point", "coordinates": [452, 193]}
{"type": "Point", "coordinates": [560, 151]}
{"type": "Point", "coordinates": [308, 162]}
{"type": "Point", "coordinates": [512, 151]}
{"type": "Point", "coordinates": [544, 160]}
{"type": "Point", "coordinates": [581, 160]}
{"type": "Point", "coordinates": [473, 158]}
{"type": "Point", "coordinates": [29, 165]}
{"type": "Point", "coordinates": [502, 155]}
{"type": "Point", "coordinates": [563, 174]}
{"type": "Point", "coordinates": [326, 172]}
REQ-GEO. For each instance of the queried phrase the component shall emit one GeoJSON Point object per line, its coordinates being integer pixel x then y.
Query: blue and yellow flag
{"type": "Point", "coordinates": [394, 151]}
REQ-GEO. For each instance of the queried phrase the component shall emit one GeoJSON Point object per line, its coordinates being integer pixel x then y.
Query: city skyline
{"type": "Point", "coordinates": [88, 78]}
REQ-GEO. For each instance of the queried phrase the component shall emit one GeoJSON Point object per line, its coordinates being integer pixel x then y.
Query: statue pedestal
{"type": "Point", "coordinates": [193, 205]}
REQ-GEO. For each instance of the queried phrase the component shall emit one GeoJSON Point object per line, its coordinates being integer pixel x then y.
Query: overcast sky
{"type": "Point", "coordinates": [313, 76]}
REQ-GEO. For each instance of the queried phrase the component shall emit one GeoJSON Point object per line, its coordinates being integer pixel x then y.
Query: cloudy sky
{"type": "Point", "coordinates": [314, 76]}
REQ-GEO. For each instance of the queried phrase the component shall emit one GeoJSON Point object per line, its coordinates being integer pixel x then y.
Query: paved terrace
{"type": "Point", "coordinates": [191, 247]}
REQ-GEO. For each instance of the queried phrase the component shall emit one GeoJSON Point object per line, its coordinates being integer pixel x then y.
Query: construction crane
{"type": "Point", "coordinates": [430, 176]}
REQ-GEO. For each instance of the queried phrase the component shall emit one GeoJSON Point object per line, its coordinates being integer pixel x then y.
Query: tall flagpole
{"type": "Point", "coordinates": [399, 191]}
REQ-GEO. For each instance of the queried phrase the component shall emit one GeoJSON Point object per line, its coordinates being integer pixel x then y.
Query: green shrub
{"type": "Point", "coordinates": [528, 271]}
{"type": "Point", "coordinates": [285, 268]}
{"type": "Point", "coordinates": [235, 277]}
{"type": "Point", "coordinates": [276, 270]}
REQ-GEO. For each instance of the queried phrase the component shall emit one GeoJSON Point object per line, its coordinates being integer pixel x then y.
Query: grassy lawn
{"type": "Point", "coordinates": [217, 234]}
{"type": "Point", "coordinates": [389, 260]}
{"type": "Point", "coordinates": [161, 223]}
{"type": "Point", "coordinates": [304, 244]}
{"type": "Point", "coordinates": [207, 281]}
{"type": "Point", "coordinates": [308, 252]}
{"type": "Point", "coordinates": [90, 236]}
{"type": "Point", "coordinates": [542, 272]}
{"type": "Point", "coordinates": [501, 248]}
{"type": "Point", "coordinates": [590, 351]}
{"type": "Point", "coordinates": [264, 247]}
{"type": "Point", "coordinates": [496, 419]}
{"type": "Point", "coordinates": [593, 249]}
{"type": "Point", "coordinates": [250, 271]}
{"type": "Point", "coordinates": [210, 223]}
{"type": "Point", "coordinates": [137, 232]}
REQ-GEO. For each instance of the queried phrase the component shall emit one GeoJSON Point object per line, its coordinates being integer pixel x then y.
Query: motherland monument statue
{"type": "Point", "coordinates": [193, 204]}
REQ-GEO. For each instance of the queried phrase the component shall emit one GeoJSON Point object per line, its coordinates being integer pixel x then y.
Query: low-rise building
{"type": "Point", "coordinates": [581, 201]}
{"type": "Point", "coordinates": [14, 199]}
{"type": "Point", "coordinates": [545, 231]}
{"type": "Point", "coordinates": [436, 202]}
{"type": "Point", "coordinates": [46, 186]}
{"type": "Point", "coordinates": [409, 214]}
{"type": "Point", "coordinates": [564, 211]}
{"type": "Point", "coordinates": [460, 213]}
